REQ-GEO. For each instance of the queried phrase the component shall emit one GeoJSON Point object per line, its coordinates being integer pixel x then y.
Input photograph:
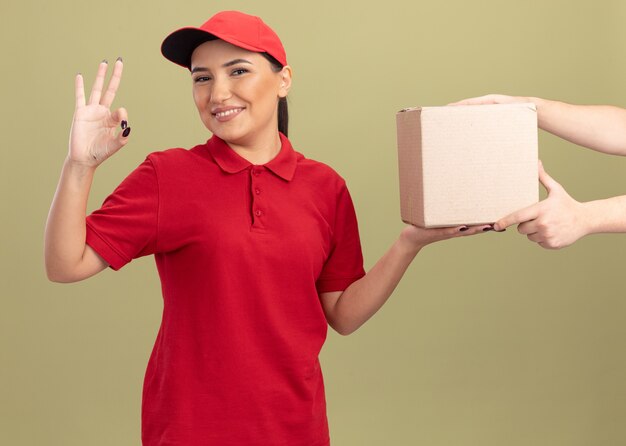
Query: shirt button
{"type": "Point", "coordinates": [257, 191]}
{"type": "Point", "coordinates": [258, 212]}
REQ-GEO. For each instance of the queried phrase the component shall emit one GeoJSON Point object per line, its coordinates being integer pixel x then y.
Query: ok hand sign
{"type": "Point", "coordinates": [93, 137]}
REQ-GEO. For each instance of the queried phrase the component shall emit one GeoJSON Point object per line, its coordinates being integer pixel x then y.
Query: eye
{"type": "Point", "coordinates": [239, 71]}
{"type": "Point", "coordinates": [201, 79]}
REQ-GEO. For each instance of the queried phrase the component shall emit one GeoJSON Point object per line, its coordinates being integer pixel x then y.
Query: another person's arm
{"type": "Point", "coordinates": [559, 220]}
{"type": "Point", "coordinates": [598, 127]}
{"type": "Point", "coordinates": [347, 310]}
{"type": "Point", "coordinates": [93, 138]}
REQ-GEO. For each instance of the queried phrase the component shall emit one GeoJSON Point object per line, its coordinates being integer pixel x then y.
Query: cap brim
{"type": "Point", "coordinates": [179, 45]}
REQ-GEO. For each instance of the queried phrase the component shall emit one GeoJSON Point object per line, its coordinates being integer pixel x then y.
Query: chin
{"type": "Point", "coordinates": [234, 136]}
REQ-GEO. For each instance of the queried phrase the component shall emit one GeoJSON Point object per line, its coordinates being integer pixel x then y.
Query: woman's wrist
{"type": "Point", "coordinates": [78, 166]}
{"type": "Point", "coordinates": [407, 244]}
{"type": "Point", "coordinates": [78, 170]}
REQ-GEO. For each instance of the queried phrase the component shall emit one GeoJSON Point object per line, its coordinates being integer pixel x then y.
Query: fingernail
{"type": "Point", "coordinates": [488, 228]}
{"type": "Point", "coordinates": [126, 132]}
{"type": "Point", "coordinates": [119, 58]}
{"type": "Point", "coordinates": [124, 125]}
{"type": "Point", "coordinates": [463, 228]}
{"type": "Point", "coordinates": [500, 230]}
{"type": "Point", "coordinates": [105, 61]}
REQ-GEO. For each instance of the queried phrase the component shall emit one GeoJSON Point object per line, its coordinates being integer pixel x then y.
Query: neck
{"type": "Point", "coordinates": [262, 151]}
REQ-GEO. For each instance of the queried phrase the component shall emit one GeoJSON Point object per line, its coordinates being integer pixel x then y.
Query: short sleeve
{"type": "Point", "coordinates": [345, 262]}
{"type": "Point", "coordinates": [125, 226]}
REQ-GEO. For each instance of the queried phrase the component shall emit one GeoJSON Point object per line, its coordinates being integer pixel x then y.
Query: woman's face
{"type": "Point", "coordinates": [236, 92]}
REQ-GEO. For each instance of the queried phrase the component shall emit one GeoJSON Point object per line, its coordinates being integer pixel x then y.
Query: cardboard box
{"type": "Point", "coordinates": [466, 164]}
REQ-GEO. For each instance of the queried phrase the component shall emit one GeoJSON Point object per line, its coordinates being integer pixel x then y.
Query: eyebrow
{"type": "Point", "coordinates": [226, 65]}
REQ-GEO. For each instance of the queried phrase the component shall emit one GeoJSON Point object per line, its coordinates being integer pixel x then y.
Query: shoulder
{"type": "Point", "coordinates": [178, 158]}
{"type": "Point", "coordinates": [179, 154]}
{"type": "Point", "coordinates": [319, 172]}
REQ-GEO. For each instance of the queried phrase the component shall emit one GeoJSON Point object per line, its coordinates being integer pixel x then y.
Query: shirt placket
{"type": "Point", "coordinates": [258, 192]}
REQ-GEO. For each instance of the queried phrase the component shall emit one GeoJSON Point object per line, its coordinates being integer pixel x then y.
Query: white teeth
{"type": "Point", "coordinates": [228, 112]}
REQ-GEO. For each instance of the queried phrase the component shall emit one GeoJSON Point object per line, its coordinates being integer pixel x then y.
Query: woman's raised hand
{"type": "Point", "coordinates": [97, 132]}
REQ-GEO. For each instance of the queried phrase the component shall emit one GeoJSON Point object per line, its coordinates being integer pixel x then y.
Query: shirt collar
{"type": "Point", "coordinates": [283, 164]}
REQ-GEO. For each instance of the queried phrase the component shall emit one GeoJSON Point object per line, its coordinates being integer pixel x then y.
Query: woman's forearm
{"type": "Point", "coordinates": [363, 298]}
{"type": "Point", "coordinates": [349, 309]}
{"type": "Point", "coordinates": [65, 228]}
{"type": "Point", "coordinates": [598, 127]}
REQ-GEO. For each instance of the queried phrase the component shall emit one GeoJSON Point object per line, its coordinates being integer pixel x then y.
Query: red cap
{"type": "Point", "coordinates": [242, 30]}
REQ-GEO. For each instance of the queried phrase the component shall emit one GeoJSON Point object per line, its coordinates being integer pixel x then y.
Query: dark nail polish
{"type": "Point", "coordinates": [105, 61]}
{"type": "Point", "coordinates": [463, 228]}
{"type": "Point", "coordinates": [124, 124]}
{"type": "Point", "coordinates": [489, 228]}
{"type": "Point", "coordinates": [120, 59]}
{"type": "Point", "coordinates": [126, 132]}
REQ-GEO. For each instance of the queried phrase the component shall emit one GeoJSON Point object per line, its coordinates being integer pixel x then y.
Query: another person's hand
{"type": "Point", "coordinates": [597, 127]}
{"type": "Point", "coordinates": [93, 137]}
{"type": "Point", "coordinates": [493, 99]}
{"type": "Point", "coordinates": [554, 223]}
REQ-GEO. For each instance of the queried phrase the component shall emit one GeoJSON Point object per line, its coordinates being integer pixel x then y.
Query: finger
{"type": "Point", "coordinates": [120, 117]}
{"type": "Point", "coordinates": [548, 182]}
{"type": "Point", "coordinates": [446, 233]}
{"type": "Point", "coordinates": [117, 117]}
{"type": "Point", "coordinates": [79, 91]}
{"type": "Point", "coordinates": [114, 83]}
{"type": "Point", "coordinates": [122, 137]}
{"type": "Point", "coordinates": [535, 237]}
{"type": "Point", "coordinates": [547, 245]}
{"type": "Point", "coordinates": [479, 100]}
{"type": "Point", "coordinates": [529, 227]}
{"type": "Point", "coordinates": [437, 234]}
{"type": "Point", "coordinates": [467, 101]}
{"type": "Point", "coordinates": [120, 141]}
{"type": "Point", "coordinates": [472, 230]}
{"type": "Point", "coordinates": [529, 213]}
{"type": "Point", "coordinates": [96, 90]}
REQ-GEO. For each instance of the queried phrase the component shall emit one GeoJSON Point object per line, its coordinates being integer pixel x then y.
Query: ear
{"type": "Point", "coordinates": [285, 81]}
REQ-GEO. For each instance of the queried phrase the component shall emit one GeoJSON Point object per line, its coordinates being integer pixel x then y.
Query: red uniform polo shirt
{"type": "Point", "coordinates": [242, 251]}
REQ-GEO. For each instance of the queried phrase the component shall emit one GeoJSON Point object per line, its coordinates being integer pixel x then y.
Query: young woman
{"type": "Point", "coordinates": [559, 220]}
{"type": "Point", "coordinates": [256, 246]}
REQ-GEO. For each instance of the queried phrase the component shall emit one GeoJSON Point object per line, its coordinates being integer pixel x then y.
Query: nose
{"type": "Point", "coordinates": [220, 89]}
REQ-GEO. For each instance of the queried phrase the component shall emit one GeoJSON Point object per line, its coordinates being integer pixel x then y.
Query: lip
{"type": "Point", "coordinates": [231, 113]}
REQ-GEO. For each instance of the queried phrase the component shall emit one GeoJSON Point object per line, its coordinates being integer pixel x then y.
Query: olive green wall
{"type": "Point", "coordinates": [489, 340]}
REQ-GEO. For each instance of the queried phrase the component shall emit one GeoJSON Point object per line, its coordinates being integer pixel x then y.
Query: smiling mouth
{"type": "Point", "coordinates": [228, 114]}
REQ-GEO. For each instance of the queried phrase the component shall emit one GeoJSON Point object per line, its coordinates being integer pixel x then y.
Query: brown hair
{"type": "Point", "coordinates": [283, 112]}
